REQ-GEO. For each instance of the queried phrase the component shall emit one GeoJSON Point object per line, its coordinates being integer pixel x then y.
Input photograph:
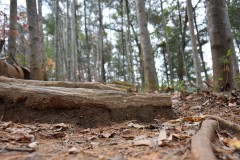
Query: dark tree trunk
{"type": "Point", "coordinates": [12, 35]}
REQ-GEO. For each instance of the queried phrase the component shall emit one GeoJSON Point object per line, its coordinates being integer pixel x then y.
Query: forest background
{"type": "Point", "coordinates": [79, 37]}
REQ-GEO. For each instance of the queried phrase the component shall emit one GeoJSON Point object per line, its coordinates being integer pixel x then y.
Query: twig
{"type": "Point", "coordinates": [17, 149]}
{"type": "Point", "coordinates": [209, 86]}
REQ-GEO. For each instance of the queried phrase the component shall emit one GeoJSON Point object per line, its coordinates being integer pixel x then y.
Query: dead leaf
{"type": "Point", "coordinates": [180, 136]}
{"type": "Point", "coordinates": [141, 137]}
{"type": "Point", "coordinates": [73, 150]}
{"type": "Point", "coordinates": [26, 138]}
{"type": "Point", "coordinates": [232, 143]}
{"type": "Point", "coordinates": [85, 130]}
{"type": "Point", "coordinates": [59, 127]}
{"type": "Point", "coordinates": [143, 140]}
{"type": "Point", "coordinates": [162, 135]}
{"type": "Point", "coordinates": [128, 137]}
{"type": "Point", "coordinates": [192, 119]}
{"type": "Point", "coordinates": [33, 145]}
{"type": "Point", "coordinates": [56, 135]}
{"type": "Point", "coordinates": [234, 104]}
{"type": "Point", "coordinates": [6, 125]}
{"type": "Point", "coordinates": [106, 135]}
{"type": "Point", "coordinates": [146, 142]}
{"type": "Point", "coordinates": [172, 123]}
{"type": "Point", "coordinates": [134, 125]}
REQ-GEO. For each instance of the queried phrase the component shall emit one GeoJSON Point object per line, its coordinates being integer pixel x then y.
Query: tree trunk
{"type": "Point", "coordinates": [200, 47]}
{"type": "Point", "coordinates": [167, 45]}
{"type": "Point", "coordinates": [12, 35]}
{"type": "Point", "coordinates": [68, 43]}
{"type": "Point", "coordinates": [151, 82]}
{"type": "Point", "coordinates": [57, 39]}
{"type": "Point", "coordinates": [40, 19]}
{"type": "Point", "coordinates": [35, 60]}
{"type": "Point", "coordinates": [74, 42]}
{"type": "Point", "coordinates": [182, 70]}
{"type": "Point", "coordinates": [87, 49]}
{"type": "Point", "coordinates": [140, 55]}
{"type": "Point", "coordinates": [123, 47]}
{"type": "Point", "coordinates": [194, 45]}
{"type": "Point", "coordinates": [225, 66]}
{"type": "Point", "coordinates": [128, 45]}
{"type": "Point", "coordinates": [102, 62]}
{"type": "Point", "coordinates": [2, 42]}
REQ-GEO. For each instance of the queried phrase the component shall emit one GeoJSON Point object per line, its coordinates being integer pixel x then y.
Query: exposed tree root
{"type": "Point", "coordinates": [224, 124]}
{"type": "Point", "coordinates": [201, 142]}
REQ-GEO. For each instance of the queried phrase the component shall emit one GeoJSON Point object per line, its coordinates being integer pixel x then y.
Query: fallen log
{"type": "Point", "coordinates": [201, 142]}
{"type": "Point", "coordinates": [65, 84]}
{"type": "Point", "coordinates": [83, 106]}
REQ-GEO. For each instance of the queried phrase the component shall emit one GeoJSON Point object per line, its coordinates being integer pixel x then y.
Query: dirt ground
{"type": "Point", "coordinates": [160, 139]}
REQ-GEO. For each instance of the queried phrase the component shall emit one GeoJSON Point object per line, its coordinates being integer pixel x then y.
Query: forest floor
{"type": "Point", "coordinates": [161, 139]}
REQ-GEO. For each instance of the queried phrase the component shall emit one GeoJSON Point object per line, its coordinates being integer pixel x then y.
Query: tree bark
{"type": "Point", "coordinates": [225, 66]}
{"type": "Point", "coordinates": [102, 61]}
{"type": "Point", "coordinates": [12, 33]}
{"type": "Point", "coordinates": [200, 47]}
{"type": "Point", "coordinates": [151, 82]}
{"type": "Point", "coordinates": [40, 19]}
{"type": "Point", "coordinates": [128, 44]}
{"type": "Point", "coordinates": [181, 70]}
{"type": "Point", "coordinates": [169, 54]}
{"type": "Point", "coordinates": [87, 48]}
{"type": "Point", "coordinates": [74, 42]}
{"type": "Point", "coordinates": [68, 43]}
{"type": "Point", "coordinates": [81, 106]}
{"type": "Point", "coordinates": [140, 55]}
{"type": "Point", "coordinates": [35, 60]}
{"type": "Point", "coordinates": [194, 45]}
{"type": "Point", "coordinates": [57, 39]}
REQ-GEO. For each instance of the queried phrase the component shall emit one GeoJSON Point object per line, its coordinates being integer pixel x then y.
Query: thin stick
{"type": "Point", "coordinates": [17, 149]}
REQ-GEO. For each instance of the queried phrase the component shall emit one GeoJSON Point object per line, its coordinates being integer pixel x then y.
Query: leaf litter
{"type": "Point", "coordinates": [132, 140]}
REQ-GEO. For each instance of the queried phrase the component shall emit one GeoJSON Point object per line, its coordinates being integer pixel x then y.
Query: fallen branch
{"type": "Point", "coordinates": [18, 149]}
{"type": "Point", "coordinates": [201, 142]}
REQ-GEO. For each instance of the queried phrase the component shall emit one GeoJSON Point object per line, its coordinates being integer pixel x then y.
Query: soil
{"type": "Point", "coordinates": [122, 139]}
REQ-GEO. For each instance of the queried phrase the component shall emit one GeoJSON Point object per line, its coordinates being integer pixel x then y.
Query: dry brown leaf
{"type": "Point", "coordinates": [59, 127]}
{"type": "Point", "coordinates": [134, 125]}
{"type": "Point", "coordinates": [232, 143]}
